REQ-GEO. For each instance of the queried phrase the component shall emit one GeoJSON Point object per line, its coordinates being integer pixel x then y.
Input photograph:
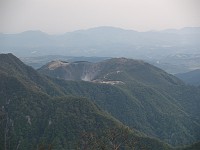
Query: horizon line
{"type": "Point", "coordinates": [126, 29]}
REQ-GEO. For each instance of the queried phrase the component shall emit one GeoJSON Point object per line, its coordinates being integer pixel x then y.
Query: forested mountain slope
{"type": "Point", "coordinates": [136, 93]}
{"type": "Point", "coordinates": [32, 116]}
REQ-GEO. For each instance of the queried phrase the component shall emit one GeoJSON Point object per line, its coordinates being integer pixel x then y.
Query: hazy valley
{"type": "Point", "coordinates": [175, 51]}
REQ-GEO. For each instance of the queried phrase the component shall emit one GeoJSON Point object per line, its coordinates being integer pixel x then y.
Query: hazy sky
{"type": "Point", "coordinates": [59, 16]}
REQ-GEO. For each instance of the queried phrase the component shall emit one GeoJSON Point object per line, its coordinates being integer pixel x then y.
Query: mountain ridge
{"type": "Point", "coordinates": [109, 27]}
{"type": "Point", "coordinates": [102, 70]}
{"type": "Point", "coordinates": [35, 119]}
{"type": "Point", "coordinates": [136, 85]}
{"type": "Point", "coordinates": [101, 41]}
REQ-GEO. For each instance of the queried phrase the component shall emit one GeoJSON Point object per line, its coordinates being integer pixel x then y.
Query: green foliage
{"type": "Point", "coordinates": [152, 110]}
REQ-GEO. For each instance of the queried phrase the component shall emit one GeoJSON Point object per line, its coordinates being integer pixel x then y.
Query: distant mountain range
{"type": "Point", "coordinates": [175, 51]}
{"type": "Point", "coordinates": [102, 105]}
{"type": "Point", "coordinates": [103, 41]}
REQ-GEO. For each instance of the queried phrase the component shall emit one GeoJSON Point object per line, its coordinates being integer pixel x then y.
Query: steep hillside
{"type": "Point", "coordinates": [138, 94]}
{"type": "Point", "coordinates": [192, 77]}
{"type": "Point", "coordinates": [65, 70]}
{"type": "Point", "coordinates": [32, 119]}
{"type": "Point", "coordinates": [11, 66]}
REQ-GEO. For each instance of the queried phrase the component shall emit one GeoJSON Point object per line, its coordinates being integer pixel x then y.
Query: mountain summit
{"type": "Point", "coordinates": [119, 70]}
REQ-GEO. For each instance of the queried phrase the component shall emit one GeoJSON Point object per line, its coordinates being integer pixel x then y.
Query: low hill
{"type": "Point", "coordinates": [192, 77]}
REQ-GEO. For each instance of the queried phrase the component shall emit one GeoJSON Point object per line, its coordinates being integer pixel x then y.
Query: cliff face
{"type": "Point", "coordinates": [68, 71]}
